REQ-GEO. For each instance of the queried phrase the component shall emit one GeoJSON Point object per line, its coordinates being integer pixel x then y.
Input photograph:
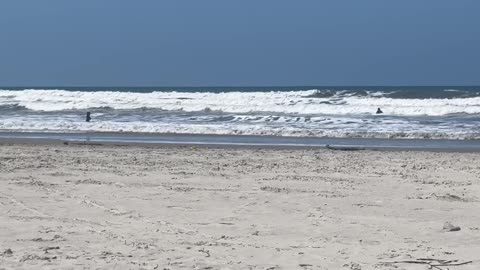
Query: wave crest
{"type": "Point", "coordinates": [310, 102]}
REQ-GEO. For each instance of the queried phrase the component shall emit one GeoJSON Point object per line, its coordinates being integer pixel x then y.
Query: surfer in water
{"type": "Point", "coordinates": [88, 118]}
{"type": "Point", "coordinates": [379, 111]}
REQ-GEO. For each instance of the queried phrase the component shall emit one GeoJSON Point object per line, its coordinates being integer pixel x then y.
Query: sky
{"type": "Point", "coordinates": [239, 43]}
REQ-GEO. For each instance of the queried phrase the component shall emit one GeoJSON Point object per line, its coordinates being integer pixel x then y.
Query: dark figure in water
{"type": "Point", "coordinates": [379, 111]}
{"type": "Point", "coordinates": [88, 117]}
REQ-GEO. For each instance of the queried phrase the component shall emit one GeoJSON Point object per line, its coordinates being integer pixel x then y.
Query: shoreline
{"type": "Point", "coordinates": [239, 141]}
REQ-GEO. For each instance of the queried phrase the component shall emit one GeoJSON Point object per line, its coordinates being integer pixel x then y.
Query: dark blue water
{"type": "Point", "coordinates": [407, 92]}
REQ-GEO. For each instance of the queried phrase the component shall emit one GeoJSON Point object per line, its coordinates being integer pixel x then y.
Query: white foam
{"type": "Point", "coordinates": [338, 127]}
{"type": "Point", "coordinates": [293, 102]}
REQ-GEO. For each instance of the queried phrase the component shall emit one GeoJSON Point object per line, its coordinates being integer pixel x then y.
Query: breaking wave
{"type": "Point", "coordinates": [309, 102]}
{"type": "Point", "coordinates": [427, 113]}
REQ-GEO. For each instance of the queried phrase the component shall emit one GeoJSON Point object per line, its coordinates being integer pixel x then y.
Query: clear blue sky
{"type": "Point", "coordinates": [247, 42]}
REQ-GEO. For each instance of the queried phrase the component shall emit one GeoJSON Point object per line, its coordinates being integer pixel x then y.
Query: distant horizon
{"type": "Point", "coordinates": [225, 86]}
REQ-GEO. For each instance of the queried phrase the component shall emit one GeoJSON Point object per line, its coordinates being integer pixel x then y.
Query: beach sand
{"type": "Point", "coordinates": [133, 207]}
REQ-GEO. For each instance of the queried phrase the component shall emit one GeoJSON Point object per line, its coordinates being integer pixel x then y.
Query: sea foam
{"type": "Point", "coordinates": [289, 102]}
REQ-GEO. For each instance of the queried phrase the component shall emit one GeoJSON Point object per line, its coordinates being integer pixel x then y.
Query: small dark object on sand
{"type": "Point", "coordinates": [8, 252]}
{"type": "Point", "coordinates": [379, 111]}
{"type": "Point", "coordinates": [88, 118]}
{"type": "Point", "coordinates": [449, 227]}
{"type": "Point", "coordinates": [344, 148]}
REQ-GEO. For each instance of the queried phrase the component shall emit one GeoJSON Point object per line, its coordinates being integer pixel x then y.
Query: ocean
{"type": "Point", "coordinates": [451, 112]}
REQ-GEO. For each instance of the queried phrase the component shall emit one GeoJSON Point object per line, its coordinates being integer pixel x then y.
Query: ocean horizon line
{"type": "Point", "coordinates": [232, 86]}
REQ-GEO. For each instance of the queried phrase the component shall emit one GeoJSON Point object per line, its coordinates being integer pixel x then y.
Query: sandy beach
{"type": "Point", "coordinates": [134, 207]}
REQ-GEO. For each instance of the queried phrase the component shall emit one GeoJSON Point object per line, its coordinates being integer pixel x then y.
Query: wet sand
{"type": "Point", "coordinates": [235, 141]}
{"type": "Point", "coordinates": [139, 207]}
